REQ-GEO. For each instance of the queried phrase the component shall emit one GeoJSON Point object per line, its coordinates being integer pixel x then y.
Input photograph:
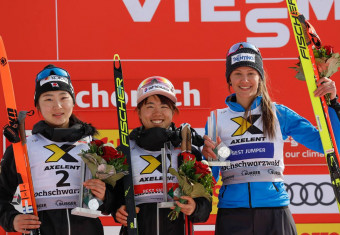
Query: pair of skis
{"type": "Point", "coordinates": [15, 132]}
{"type": "Point", "coordinates": [306, 38]}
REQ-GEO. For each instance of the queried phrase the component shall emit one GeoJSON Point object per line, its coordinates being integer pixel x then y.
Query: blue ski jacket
{"type": "Point", "coordinates": [273, 194]}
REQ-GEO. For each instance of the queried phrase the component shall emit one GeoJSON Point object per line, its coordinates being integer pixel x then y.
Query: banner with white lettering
{"type": "Point", "coordinates": [184, 41]}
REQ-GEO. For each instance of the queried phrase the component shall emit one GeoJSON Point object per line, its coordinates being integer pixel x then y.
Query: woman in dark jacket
{"type": "Point", "coordinates": [53, 150]}
{"type": "Point", "coordinates": [156, 106]}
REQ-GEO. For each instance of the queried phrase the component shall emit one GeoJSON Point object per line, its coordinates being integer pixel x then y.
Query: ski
{"type": "Point", "coordinates": [15, 132]}
{"type": "Point", "coordinates": [306, 37]}
{"type": "Point", "coordinates": [125, 146]}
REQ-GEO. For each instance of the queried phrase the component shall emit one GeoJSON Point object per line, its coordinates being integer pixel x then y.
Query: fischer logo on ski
{"type": "Point", "coordinates": [120, 93]}
{"type": "Point", "coordinates": [12, 117]}
{"type": "Point", "coordinates": [132, 227]}
{"type": "Point", "coordinates": [306, 37]}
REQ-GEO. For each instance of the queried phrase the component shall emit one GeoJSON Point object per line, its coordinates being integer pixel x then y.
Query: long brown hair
{"type": "Point", "coordinates": [268, 116]}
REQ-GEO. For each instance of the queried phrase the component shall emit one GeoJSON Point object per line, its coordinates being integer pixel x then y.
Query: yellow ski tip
{"type": "Point", "coordinates": [116, 57]}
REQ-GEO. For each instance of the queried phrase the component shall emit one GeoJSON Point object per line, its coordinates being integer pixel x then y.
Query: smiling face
{"type": "Point", "coordinates": [154, 113]}
{"type": "Point", "coordinates": [245, 82]}
{"type": "Point", "coordinates": [56, 107]}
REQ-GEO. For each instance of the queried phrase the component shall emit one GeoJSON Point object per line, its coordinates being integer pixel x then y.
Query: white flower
{"type": "Point", "coordinates": [109, 145]}
{"type": "Point", "coordinates": [102, 168]}
{"type": "Point", "coordinates": [205, 162]}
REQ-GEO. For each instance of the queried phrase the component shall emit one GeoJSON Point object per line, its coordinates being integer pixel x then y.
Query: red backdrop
{"type": "Point", "coordinates": [185, 41]}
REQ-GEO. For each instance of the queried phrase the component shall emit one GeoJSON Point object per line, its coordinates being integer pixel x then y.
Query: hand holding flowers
{"type": "Point", "coordinates": [327, 63]}
{"type": "Point", "coordinates": [195, 180]}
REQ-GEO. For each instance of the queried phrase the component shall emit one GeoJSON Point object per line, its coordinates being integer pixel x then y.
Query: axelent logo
{"type": "Point", "coordinates": [242, 57]}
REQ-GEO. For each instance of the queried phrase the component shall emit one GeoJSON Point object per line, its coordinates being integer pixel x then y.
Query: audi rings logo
{"type": "Point", "coordinates": [310, 193]}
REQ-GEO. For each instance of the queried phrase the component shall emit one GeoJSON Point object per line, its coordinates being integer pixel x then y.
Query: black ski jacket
{"type": "Point", "coordinates": [54, 222]}
{"type": "Point", "coordinates": [153, 140]}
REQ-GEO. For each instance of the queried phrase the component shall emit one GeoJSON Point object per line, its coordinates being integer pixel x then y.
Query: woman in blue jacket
{"type": "Point", "coordinates": [253, 199]}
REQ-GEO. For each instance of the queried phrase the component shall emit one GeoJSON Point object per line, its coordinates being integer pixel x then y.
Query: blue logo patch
{"type": "Point", "coordinates": [243, 57]}
{"type": "Point", "coordinates": [251, 151]}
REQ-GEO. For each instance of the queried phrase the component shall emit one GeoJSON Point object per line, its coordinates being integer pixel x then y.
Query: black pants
{"type": "Point", "coordinates": [255, 221]}
{"type": "Point", "coordinates": [147, 221]}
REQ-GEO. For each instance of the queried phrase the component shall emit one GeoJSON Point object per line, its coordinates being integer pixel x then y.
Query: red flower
{"type": "Point", "coordinates": [201, 168]}
{"type": "Point", "coordinates": [110, 153]}
{"type": "Point", "coordinates": [107, 150]}
{"type": "Point", "coordinates": [98, 143]}
{"type": "Point", "coordinates": [329, 49]}
{"type": "Point", "coordinates": [188, 156]}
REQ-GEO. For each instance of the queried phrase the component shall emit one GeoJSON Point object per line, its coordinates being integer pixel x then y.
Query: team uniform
{"type": "Point", "coordinates": [148, 183]}
{"type": "Point", "coordinates": [55, 167]}
{"type": "Point", "coordinates": [253, 188]}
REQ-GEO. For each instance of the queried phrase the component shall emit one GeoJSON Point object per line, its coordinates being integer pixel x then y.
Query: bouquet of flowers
{"type": "Point", "coordinates": [105, 162]}
{"type": "Point", "coordinates": [326, 61]}
{"type": "Point", "coordinates": [195, 180]}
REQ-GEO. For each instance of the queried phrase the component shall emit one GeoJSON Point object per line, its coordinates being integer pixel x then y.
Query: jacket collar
{"type": "Point", "coordinates": [233, 105]}
{"type": "Point", "coordinates": [75, 132]}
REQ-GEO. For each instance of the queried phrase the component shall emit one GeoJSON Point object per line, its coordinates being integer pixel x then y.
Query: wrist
{"type": "Point", "coordinates": [334, 101]}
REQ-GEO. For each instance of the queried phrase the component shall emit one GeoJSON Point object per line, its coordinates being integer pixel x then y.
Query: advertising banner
{"type": "Point", "coordinates": [186, 42]}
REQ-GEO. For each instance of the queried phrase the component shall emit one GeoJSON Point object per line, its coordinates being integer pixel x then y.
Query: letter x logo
{"type": "Point", "coordinates": [155, 163]}
{"type": "Point", "coordinates": [246, 125]}
{"type": "Point", "coordinates": [60, 152]}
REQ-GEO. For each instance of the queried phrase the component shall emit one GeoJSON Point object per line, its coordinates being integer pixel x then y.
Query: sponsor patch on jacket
{"type": "Point", "coordinates": [242, 57]}
{"type": "Point", "coordinates": [251, 151]}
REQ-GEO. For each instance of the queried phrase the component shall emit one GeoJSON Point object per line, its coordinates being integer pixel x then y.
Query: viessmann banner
{"type": "Point", "coordinates": [184, 41]}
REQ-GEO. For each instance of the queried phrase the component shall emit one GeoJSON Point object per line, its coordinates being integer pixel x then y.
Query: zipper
{"type": "Point", "coordinates": [275, 187]}
{"type": "Point", "coordinates": [249, 193]}
{"type": "Point", "coordinates": [68, 222]}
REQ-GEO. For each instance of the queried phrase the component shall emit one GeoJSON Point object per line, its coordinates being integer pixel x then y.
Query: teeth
{"type": "Point", "coordinates": [156, 121]}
